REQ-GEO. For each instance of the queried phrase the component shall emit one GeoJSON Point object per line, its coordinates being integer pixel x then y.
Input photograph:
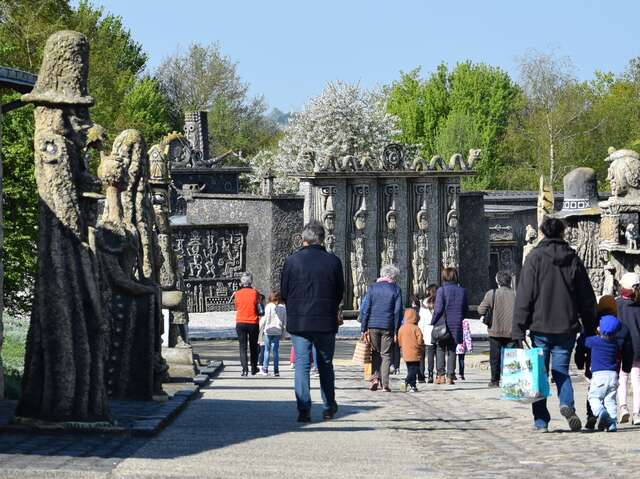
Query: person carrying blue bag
{"type": "Point", "coordinates": [554, 301]}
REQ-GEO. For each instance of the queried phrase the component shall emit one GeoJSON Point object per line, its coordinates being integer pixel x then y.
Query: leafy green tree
{"type": "Point", "coordinates": [203, 78]}
{"type": "Point", "coordinates": [145, 108]}
{"type": "Point", "coordinates": [451, 112]}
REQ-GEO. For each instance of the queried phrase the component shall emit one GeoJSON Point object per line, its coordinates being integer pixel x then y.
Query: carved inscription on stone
{"type": "Point", "coordinates": [501, 233]}
{"type": "Point", "coordinates": [213, 260]}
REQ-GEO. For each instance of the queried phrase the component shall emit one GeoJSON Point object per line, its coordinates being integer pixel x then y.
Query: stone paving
{"type": "Point", "coordinates": [245, 427]}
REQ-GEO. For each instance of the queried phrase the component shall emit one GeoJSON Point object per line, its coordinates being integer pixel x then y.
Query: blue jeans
{"type": "Point", "coordinates": [559, 347]}
{"type": "Point", "coordinates": [602, 393]}
{"type": "Point", "coordinates": [271, 343]}
{"type": "Point", "coordinates": [325, 344]}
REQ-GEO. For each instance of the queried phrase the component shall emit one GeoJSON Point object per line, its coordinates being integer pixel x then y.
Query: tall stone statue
{"type": "Point", "coordinates": [68, 334]}
{"type": "Point", "coordinates": [127, 299]}
{"type": "Point", "coordinates": [139, 216]}
{"type": "Point", "coordinates": [170, 277]}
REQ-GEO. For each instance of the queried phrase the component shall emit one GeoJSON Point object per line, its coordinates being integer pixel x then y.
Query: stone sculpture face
{"type": "Point", "coordinates": [624, 175]}
{"type": "Point", "coordinates": [361, 221]}
{"type": "Point", "coordinates": [329, 221]}
{"type": "Point", "coordinates": [391, 222]}
{"type": "Point", "coordinates": [422, 222]}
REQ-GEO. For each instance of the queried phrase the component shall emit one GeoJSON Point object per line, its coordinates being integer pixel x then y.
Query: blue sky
{"type": "Point", "coordinates": [287, 50]}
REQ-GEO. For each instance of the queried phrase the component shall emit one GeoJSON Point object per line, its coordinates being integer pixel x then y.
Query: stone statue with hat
{"type": "Point", "coordinates": [581, 213]}
{"type": "Point", "coordinates": [68, 335]}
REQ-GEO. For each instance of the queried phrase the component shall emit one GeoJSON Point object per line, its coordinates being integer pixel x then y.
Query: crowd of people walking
{"type": "Point", "coordinates": [554, 308]}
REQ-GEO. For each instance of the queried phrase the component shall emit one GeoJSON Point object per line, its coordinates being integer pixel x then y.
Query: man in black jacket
{"type": "Point", "coordinates": [312, 286]}
{"type": "Point", "coordinates": [554, 295]}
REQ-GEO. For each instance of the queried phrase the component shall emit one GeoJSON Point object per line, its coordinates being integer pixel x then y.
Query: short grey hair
{"type": "Point", "coordinates": [503, 278]}
{"type": "Point", "coordinates": [313, 233]}
{"type": "Point", "coordinates": [246, 280]}
{"type": "Point", "coordinates": [389, 271]}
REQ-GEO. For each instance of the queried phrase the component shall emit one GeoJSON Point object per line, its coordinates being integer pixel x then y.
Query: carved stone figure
{"type": "Point", "coordinates": [139, 215]}
{"type": "Point", "coordinates": [582, 215]}
{"type": "Point", "coordinates": [68, 335]}
{"type": "Point", "coordinates": [450, 251]}
{"type": "Point", "coordinates": [159, 180]}
{"type": "Point", "coordinates": [420, 260]}
{"type": "Point", "coordinates": [624, 174]}
{"type": "Point", "coordinates": [631, 235]}
{"type": "Point", "coordinates": [388, 255]}
{"type": "Point", "coordinates": [329, 222]}
{"type": "Point", "coordinates": [545, 200]}
{"type": "Point", "coordinates": [530, 237]}
{"type": "Point", "coordinates": [127, 300]}
{"type": "Point", "coordinates": [358, 265]}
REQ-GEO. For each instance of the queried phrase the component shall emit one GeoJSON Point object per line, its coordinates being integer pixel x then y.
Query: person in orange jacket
{"type": "Point", "coordinates": [412, 346]}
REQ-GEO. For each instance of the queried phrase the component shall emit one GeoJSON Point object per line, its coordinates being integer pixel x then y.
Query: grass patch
{"type": "Point", "coordinates": [13, 349]}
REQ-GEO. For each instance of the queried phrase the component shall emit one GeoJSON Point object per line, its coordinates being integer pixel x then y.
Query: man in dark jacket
{"type": "Point", "coordinates": [554, 295]}
{"type": "Point", "coordinates": [312, 286]}
{"type": "Point", "coordinates": [381, 315]}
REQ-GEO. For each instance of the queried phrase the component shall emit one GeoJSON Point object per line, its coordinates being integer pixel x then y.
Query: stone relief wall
{"type": "Point", "coordinates": [213, 260]}
{"type": "Point", "coordinates": [389, 225]}
{"type": "Point", "coordinates": [583, 234]}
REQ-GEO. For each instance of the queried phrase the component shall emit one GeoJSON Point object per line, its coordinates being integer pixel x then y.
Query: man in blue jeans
{"type": "Point", "coordinates": [312, 286]}
{"type": "Point", "coordinates": [554, 296]}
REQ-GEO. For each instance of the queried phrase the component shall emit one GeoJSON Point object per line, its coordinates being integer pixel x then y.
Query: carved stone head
{"type": "Point", "coordinates": [624, 174]}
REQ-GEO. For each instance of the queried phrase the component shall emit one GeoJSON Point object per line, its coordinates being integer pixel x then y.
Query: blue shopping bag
{"type": "Point", "coordinates": [524, 375]}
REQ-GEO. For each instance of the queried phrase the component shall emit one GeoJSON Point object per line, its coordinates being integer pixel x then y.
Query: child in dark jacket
{"type": "Point", "coordinates": [411, 344]}
{"type": "Point", "coordinates": [605, 348]}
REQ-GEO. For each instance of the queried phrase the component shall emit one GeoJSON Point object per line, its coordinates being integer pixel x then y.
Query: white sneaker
{"type": "Point", "coordinates": [624, 415]}
{"type": "Point", "coordinates": [262, 372]}
{"type": "Point", "coordinates": [636, 419]}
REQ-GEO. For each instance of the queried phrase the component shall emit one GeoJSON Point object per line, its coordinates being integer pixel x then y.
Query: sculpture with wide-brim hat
{"type": "Point", "coordinates": [580, 194]}
{"type": "Point", "coordinates": [63, 75]}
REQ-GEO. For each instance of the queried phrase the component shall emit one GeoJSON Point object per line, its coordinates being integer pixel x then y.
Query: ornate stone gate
{"type": "Point", "coordinates": [402, 211]}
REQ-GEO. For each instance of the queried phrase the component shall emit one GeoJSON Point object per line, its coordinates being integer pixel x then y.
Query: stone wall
{"type": "Point", "coordinates": [271, 223]}
{"type": "Point", "coordinates": [474, 246]}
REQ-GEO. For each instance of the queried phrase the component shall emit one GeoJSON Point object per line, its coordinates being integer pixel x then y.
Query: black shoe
{"type": "Point", "coordinates": [254, 371]}
{"type": "Point", "coordinates": [494, 384]}
{"type": "Point", "coordinates": [462, 377]}
{"type": "Point", "coordinates": [430, 380]}
{"type": "Point", "coordinates": [591, 422]}
{"type": "Point", "coordinates": [569, 413]}
{"type": "Point", "coordinates": [329, 413]}
{"type": "Point", "coordinates": [276, 374]}
{"type": "Point", "coordinates": [304, 416]}
{"type": "Point", "coordinates": [244, 373]}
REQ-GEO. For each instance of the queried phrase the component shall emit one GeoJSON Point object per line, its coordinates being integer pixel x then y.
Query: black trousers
{"type": "Point", "coordinates": [448, 350]}
{"type": "Point", "coordinates": [412, 372]}
{"type": "Point", "coordinates": [496, 345]}
{"type": "Point", "coordinates": [248, 335]}
{"type": "Point", "coordinates": [395, 356]}
{"type": "Point", "coordinates": [428, 356]}
{"type": "Point", "coordinates": [461, 364]}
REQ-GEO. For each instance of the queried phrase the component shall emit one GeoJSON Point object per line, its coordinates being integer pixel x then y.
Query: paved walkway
{"type": "Point", "coordinates": [245, 427]}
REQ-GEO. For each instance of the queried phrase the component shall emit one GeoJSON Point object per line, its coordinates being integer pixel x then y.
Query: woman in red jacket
{"type": "Point", "coordinates": [246, 301]}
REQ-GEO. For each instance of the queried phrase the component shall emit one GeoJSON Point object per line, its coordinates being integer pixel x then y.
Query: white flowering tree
{"type": "Point", "coordinates": [344, 120]}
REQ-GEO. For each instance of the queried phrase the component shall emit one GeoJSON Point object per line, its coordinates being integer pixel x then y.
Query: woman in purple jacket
{"type": "Point", "coordinates": [450, 306]}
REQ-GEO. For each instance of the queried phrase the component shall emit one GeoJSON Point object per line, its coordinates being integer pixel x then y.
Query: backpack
{"type": "Point", "coordinates": [273, 324]}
